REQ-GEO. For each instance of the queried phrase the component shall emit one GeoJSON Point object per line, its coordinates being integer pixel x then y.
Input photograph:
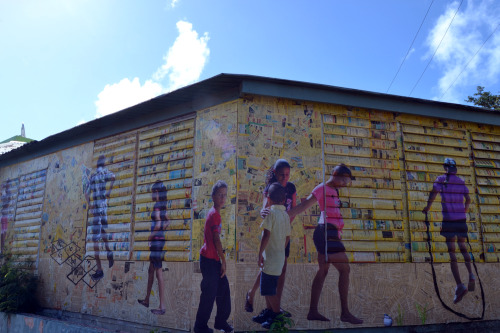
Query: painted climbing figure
{"type": "Point", "coordinates": [99, 189]}
{"type": "Point", "coordinates": [454, 228]}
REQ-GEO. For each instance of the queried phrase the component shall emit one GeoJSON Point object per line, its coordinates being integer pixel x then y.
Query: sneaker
{"type": "Point", "coordinates": [273, 317]}
{"type": "Point", "coordinates": [262, 317]}
{"type": "Point", "coordinates": [225, 327]}
{"type": "Point", "coordinates": [472, 283]}
{"type": "Point", "coordinates": [460, 292]}
{"type": "Point", "coordinates": [286, 313]}
{"type": "Point", "coordinates": [97, 275]}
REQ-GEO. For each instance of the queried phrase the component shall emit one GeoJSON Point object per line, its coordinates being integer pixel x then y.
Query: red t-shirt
{"type": "Point", "coordinates": [213, 224]}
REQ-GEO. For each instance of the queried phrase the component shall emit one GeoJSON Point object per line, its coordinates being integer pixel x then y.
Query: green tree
{"type": "Point", "coordinates": [485, 99]}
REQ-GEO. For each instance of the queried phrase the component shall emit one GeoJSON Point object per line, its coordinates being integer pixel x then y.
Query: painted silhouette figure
{"type": "Point", "coordinates": [5, 212]}
{"type": "Point", "coordinates": [279, 172]}
{"type": "Point", "coordinates": [214, 284]}
{"type": "Point", "coordinates": [159, 223]}
{"type": "Point", "coordinates": [100, 191]}
{"type": "Point", "coordinates": [275, 237]}
{"type": "Point", "coordinates": [454, 228]}
{"type": "Point", "coordinates": [327, 239]}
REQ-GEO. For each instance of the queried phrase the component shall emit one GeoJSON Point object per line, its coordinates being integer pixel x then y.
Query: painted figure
{"type": "Point", "coordinates": [99, 181]}
{"type": "Point", "coordinates": [330, 248]}
{"type": "Point", "coordinates": [5, 212]}
{"type": "Point", "coordinates": [159, 223]}
{"type": "Point", "coordinates": [454, 228]}
{"type": "Point", "coordinates": [275, 238]}
{"type": "Point", "coordinates": [279, 172]}
{"type": "Point", "coordinates": [214, 284]}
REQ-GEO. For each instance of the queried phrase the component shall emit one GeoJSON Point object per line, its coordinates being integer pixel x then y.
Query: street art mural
{"type": "Point", "coordinates": [114, 227]}
{"type": "Point", "coordinates": [108, 193]}
{"type": "Point", "coordinates": [165, 161]}
{"type": "Point", "coordinates": [8, 210]}
{"type": "Point", "coordinates": [215, 158]}
{"type": "Point", "coordinates": [28, 217]}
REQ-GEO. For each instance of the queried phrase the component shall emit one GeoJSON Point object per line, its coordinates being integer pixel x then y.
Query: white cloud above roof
{"type": "Point", "coordinates": [118, 96]}
{"type": "Point", "coordinates": [174, 3]}
{"type": "Point", "coordinates": [186, 59]}
{"type": "Point", "coordinates": [470, 28]}
{"type": "Point", "coordinates": [183, 65]}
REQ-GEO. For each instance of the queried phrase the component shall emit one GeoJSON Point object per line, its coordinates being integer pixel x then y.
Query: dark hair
{"type": "Point", "coordinates": [218, 185]}
{"type": "Point", "coordinates": [277, 193]}
{"type": "Point", "coordinates": [271, 172]}
{"type": "Point", "coordinates": [159, 187]}
{"type": "Point", "coordinates": [342, 169]}
{"type": "Point", "coordinates": [450, 165]}
{"type": "Point", "coordinates": [101, 161]}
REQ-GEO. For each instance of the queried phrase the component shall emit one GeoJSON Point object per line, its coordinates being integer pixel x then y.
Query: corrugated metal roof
{"type": "Point", "coordinates": [226, 87]}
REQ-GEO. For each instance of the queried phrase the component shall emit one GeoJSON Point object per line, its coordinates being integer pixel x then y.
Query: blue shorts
{"type": "Point", "coordinates": [268, 284]}
{"type": "Point", "coordinates": [451, 229]}
{"type": "Point", "coordinates": [332, 243]}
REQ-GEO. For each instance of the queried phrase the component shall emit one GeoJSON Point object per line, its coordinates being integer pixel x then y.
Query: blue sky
{"type": "Point", "coordinates": [63, 63]}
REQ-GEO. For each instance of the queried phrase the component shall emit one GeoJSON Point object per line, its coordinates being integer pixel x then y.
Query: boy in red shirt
{"type": "Point", "coordinates": [214, 285]}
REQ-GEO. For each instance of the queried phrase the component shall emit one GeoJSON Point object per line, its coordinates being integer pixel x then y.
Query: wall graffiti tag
{"type": "Point", "coordinates": [81, 269]}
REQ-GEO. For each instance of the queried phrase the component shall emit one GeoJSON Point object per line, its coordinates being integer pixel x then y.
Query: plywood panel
{"type": "Point", "coordinates": [26, 241]}
{"type": "Point", "coordinates": [165, 164]}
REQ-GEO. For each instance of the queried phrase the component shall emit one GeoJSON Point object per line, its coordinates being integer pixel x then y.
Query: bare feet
{"type": "Point", "coordinates": [316, 316]}
{"type": "Point", "coordinates": [143, 302]}
{"type": "Point", "coordinates": [158, 312]}
{"type": "Point", "coordinates": [349, 318]}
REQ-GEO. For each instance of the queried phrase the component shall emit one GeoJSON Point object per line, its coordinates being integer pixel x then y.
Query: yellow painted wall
{"type": "Point", "coordinates": [394, 157]}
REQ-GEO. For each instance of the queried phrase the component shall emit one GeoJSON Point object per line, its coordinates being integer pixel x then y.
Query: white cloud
{"type": "Point", "coordinates": [183, 65]}
{"type": "Point", "coordinates": [117, 96]}
{"type": "Point", "coordinates": [410, 53]}
{"type": "Point", "coordinates": [186, 59]}
{"type": "Point", "coordinates": [174, 3]}
{"type": "Point", "coordinates": [470, 28]}
{"type": "Point", "coordinates": [81, 122]}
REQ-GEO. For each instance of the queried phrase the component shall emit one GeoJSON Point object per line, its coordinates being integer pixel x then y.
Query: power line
{"type": "Point", "coordinates": [437, 48]}
{"type": "Point", "coordinates": [409, 49]}
{"type": "Point", "coordinates": [467, 65]}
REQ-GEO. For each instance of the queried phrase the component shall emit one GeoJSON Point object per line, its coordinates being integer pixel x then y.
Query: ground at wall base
{"type": "Point", "coordinates": [54, 321]}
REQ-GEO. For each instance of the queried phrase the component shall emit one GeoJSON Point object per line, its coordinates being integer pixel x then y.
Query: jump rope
{"type": "Point", "coordinates": [436, 287]}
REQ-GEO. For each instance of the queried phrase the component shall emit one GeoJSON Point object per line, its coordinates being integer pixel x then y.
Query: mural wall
{"type": "Point", "coordinates": [96, 220]}
{"type": "Point", "coordinates": [268, 130]}
{"type": "Point", "coordinates": [165, 160]}
{"type": "Point", "coordinates": [373, 213]}
{"type": "Point", "coordinates": [486, 148]}
{"type": "Point", "coordinates": [215, 159]}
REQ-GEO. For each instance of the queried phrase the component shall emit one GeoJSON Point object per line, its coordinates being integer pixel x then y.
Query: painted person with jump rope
{"type": "Point", "coordinates": [454, 228]}
{"type": "Point", "coordinates": [327, 239]}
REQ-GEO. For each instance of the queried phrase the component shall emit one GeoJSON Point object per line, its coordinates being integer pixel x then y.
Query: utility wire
{"type": "Point", "coordinates": [436, 48]}
{"type": "Point", "coordinates": [409, 49]}
{"type": "Point", "coordinates": [467, 65]}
